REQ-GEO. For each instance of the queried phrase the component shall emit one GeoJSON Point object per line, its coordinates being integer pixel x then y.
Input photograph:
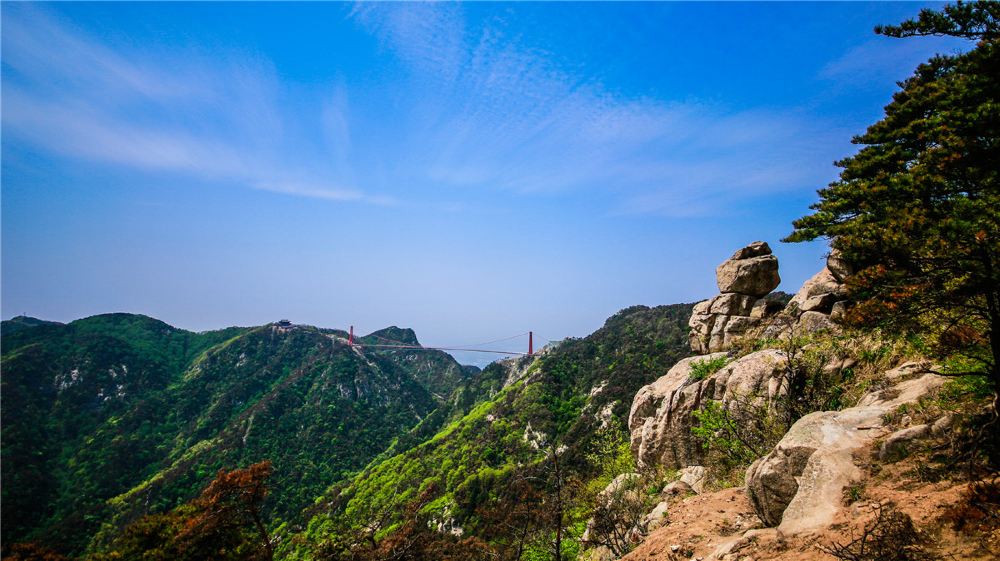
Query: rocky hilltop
{"type": "Point", "coordinates": [815, 479]}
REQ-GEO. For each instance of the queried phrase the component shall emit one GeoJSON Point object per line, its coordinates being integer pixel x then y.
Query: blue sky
{"type": "Point", "coordinates": [469, 170]}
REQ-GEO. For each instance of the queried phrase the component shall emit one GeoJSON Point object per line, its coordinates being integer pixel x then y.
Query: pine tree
{"type": "Point", "coordinates": [916, 212]}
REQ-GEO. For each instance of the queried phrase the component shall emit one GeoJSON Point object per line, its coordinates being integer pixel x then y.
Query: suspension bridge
{"type": "Point", "coordinates": [385, 343]}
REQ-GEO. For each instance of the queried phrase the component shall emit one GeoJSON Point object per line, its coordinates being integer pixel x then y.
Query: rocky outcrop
{"type": "Point", "coordinates": [798, 486]}
{"type": "Point", "coordinates": [821, 303]}
{"type": "Point", "coordinates": [743, 280]}
{"type": "Point", "coordinates": [818, 294]}
{"type": "Point", "coordinates": [752, 271]}
{"type": "Point", "coordinates": [900, 443]}
{"type": "Point", "coordinates": [695, 477]}
{"type": "Point", "coordinates": [660, 420]}
{"type": "Point", "coordinates": [837, 266]}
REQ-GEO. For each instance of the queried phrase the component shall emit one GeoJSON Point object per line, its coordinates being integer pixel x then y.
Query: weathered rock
{"type": "Point", "coordinates": [624, 480]}
{"type": "Point", "coordinates": [837, 366]}
{"type": "Point", "coordinates": [837, 266]}
{"type": "Point", "coordinates": [820, 284]}
{"type": "Point", "coordinates": [811, 322]}
{"type": "Point", "coordinates": [798, 486]}
{"type": "Point", "coordinates": [906, 371]}
{"type": "Point", "coordinates": [764, 308]}
{"type": "Point", "coordinates": [838, 312]}
{"type": "Point", "coordinates": [755, 276]}
{"type": "Point", "coordinates": [820, 303]}
{"type": "Point", "coordinates": [899, 444]}
{"type": "Point", "coordinates": [657, 517]}
{"type": "Point", "coordinates": [660, 419]}
{"type": "Point", "coordinates": [943, 425]}
{"type": "Point", "coordinates": [676, 488]}
{"type": "Point", "coordinates": [754, 249]}
{"type": "Point", "coordinates": [699, 325]}
{"type": "Point", "coordinates": [717, 323]}
{"type": "Point", "coordinates": [694, 476]}
{"type": "Point", "coordinates": [726, 330]}
{"type": "Point", "coordinates": [732, 304]}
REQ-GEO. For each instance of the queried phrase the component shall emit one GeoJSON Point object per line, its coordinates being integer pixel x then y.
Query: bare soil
{"type": "Point", "coordinates": [715, 525]}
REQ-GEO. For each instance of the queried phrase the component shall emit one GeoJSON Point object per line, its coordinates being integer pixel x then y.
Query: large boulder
{"type": "Point", "coordinates": [661, 418]}
{"type": "Point", "coordinates": [755, 276]}
{"type": "Point", "coordinates": [837, 266]}
{"type": "Point", "coordinates": [900, 443]}
{"type": "Point", "coordinates": [798, 486]}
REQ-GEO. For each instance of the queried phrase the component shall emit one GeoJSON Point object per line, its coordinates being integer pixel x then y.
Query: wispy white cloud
{"type": "Point", "coordinates": [218, 119]}
{"type": "Point", "coordinates": [478, 108]}
{"type": "Point", "coordinates": [879, 58]}
{"type": "Point", "coordinates": [492, 111]}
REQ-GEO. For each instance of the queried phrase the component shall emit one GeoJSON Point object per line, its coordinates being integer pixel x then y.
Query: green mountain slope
{"type": "Point", "coordinates": [459, 477]}
{"type": "Point", "coordinates": [114, 416]}
{"type": "Point", "coordinates": [63, 388]}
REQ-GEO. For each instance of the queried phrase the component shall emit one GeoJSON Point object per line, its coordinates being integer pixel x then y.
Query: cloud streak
{"type": "Point", "coordinates": [871, 62]}
{"type": "Point", "coordinates": [170, 112]}
{"type": "Point", "coordinates": [497, 113]}
{"type": "Point", "coordinates": [478, 110]}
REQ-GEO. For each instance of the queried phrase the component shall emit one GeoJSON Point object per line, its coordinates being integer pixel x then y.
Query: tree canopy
{"type": "Point", "coordinates": [224, 522]}
{"type": "Point", "coordinates": [916, 211]}
{"type": "Point", "coordinates": [971, 20]}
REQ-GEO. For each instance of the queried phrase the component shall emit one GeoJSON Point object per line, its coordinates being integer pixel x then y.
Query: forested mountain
{"type": "Point", "coordinates": [110, 417]}
{"type": "Point", "coordinates": [471, 478]}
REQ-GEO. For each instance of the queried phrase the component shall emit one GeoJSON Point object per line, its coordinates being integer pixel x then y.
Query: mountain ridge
{"type": "Point", "coordinates": [125, 405]}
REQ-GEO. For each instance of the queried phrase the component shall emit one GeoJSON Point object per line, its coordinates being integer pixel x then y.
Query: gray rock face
{"type": "Point", "coordinates": [838, 312]}
{"type": "Point", "coordinates": [837, 266]}
{"type": "Point", "coordinates": [676, 488]}
{"type": "Point", "coordinates": [755, 276]}
{"type": "Point", "coordinates": [811, 322]}
{"type": "Point", "coordinates": [732, 304]}
{"type": "Point", "coordinates": [899, 444]}
{"type": "Point", "coordinates": [818, 305]}
{"type": "Point", "coordinates": [660, 420]}
{"type": "Point", "coordinates": [694, 476]}
{"type": "Point", "coordinates": [752, 272]}
{"type": "Point", "coordinates": [657, 517]}
{"type": "Point", "coordinates": [799, 485]}
{"type": "Point", "coordinates": [755, 249]}
{"type": "Point", "coordinates": [821, 285]}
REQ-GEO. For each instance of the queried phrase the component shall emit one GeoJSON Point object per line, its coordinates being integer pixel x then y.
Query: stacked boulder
{"type": "Point", "coordinates": [744, 279]}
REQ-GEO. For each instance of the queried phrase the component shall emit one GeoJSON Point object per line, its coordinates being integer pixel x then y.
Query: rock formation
{"type": "Point", "coordinates": [660, 420]}
{"type": "Point", "coordinates": [743, 279]}
{"type": "Point", "coordinates": [822, 300]}
{"type": "Point", "coordinates": [798, 486]}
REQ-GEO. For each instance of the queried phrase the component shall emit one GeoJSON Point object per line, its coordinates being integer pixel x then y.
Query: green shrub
{"type": "Point", "coordinates": [701, 369]}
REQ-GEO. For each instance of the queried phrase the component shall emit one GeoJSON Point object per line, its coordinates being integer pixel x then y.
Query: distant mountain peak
{"type": "Point", "coordinates": [395, 334]}
{"type": "Point", "coordinates": [22, 321]}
